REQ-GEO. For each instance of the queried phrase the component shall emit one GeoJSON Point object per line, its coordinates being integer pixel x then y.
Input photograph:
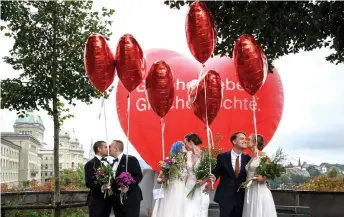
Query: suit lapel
{"type": "Point", "coordinates": [229, 164]}
{"type": "Point", "coordinates": [120, 165]}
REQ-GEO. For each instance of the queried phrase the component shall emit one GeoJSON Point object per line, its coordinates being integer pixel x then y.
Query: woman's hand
{"type": "Point", "coordinates": [161, 179]}
{"type": "Point", "coordinates": [260, 179]}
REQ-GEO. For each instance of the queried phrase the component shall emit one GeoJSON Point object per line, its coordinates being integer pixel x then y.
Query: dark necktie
{"type": "Point", "coordinates": [237, 167]}
{"type": "Point", "coordinates": [103, 159]}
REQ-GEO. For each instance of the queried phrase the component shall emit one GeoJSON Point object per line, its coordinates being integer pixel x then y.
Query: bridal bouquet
{"type": "Point", "coordinates": [104, 175]}
{"type": "Point", "coordinates": [172, 168]}
{"type": "Point", "coordinates": [124, 180]}
{"type": "Point", "coordinates": [268, 168]}
{"type": "Point", "coordinates": [202, 171]}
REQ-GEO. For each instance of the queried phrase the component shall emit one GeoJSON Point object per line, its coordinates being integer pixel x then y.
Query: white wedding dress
{"type": "Point", "coordinates": [172, 204]}
{"type": "Point", "coordinates": [258, 198]}
{"type": "Point", "coordinates": [198, 206]}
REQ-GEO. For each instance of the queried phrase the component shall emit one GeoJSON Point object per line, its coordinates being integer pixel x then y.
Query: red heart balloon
{"type": "Point", "coordinates": [200, 31]}
{"type": "Point", "coordinates": [235, 113]}
{"type": "Point", "coordinates": [206, 104]}
{"type": "Point", "coordinates": [130, 62]}
{"type": "Point", "coordinates": [250, 64]}
{"type": "Point", "coordinates": [99, 62]}
{"type": "Point", "coordinates": [160, 88]}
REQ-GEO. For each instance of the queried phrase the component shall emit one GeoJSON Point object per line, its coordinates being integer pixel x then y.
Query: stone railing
{"type": "Point", "coordinates": [322, 204]}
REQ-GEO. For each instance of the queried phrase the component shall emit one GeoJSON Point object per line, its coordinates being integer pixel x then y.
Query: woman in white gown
{"type": "Point", "coordinates": [172, 204]}
{"type": "Point", "coordinates": [198, 206]}
{"type": "Point", "coordinates": [258, 198]}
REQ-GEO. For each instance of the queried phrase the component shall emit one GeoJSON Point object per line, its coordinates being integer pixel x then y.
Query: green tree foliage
{"type": "Point", "coordinates": [313, 172]}
{"type": "Point", "coordinates": [279, 27]}
{"type": "Point", "coordinates": [49, 39]}
{"type": "Point", "coordinates": [333, 173]}
{"type": "Point", "coordinates": [74, 177]}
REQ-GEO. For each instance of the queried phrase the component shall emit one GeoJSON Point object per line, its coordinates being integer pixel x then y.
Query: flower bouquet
{"type": "Point", "coordinates": [268, 168]}
{"type": "Point", "coordinates": [202, 171]}
{"type": "Point", "coordinates": [104, 175]}
{"type": "Point", "coordinates": [124, 180]}
{"type": "Point", "coordinates": [172, 167]}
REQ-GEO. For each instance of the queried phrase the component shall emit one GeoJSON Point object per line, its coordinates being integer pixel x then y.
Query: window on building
{"type": "Point", "coordinates": [73, 165]}
{"type": "Point", "coordinates": [51, 158]}
{"type": "Point", "coordinates": [51, 173]}
{"type": "Point", "coordinates": [60, 165]}
{"type": "Point", "coordinates": [46, 174]}
{"type": "Point", "coordinates": [46, 166]}
{"type": "Point", "coordinates": [51, 166]}
{"type": "Point", "coordinates": [46, 158]}
{"type": "Point", "coordinates": [41, 166]}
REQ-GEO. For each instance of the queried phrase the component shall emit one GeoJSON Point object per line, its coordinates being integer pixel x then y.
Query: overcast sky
{"type": "Point", "coordinates": [312, 125]}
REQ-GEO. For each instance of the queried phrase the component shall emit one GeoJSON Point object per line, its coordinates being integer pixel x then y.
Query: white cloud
{"type": "Point", "coordinates": [314, 93]}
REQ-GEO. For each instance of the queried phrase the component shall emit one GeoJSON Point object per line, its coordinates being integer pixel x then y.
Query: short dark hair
{"type": "Point", "coordinates": [260, 141]}
{"type": "Point", "coordinates": [235, 135]}
{"type": "Point", "coordinates": [194, 138]}
{"type": "Point", "coordinates": [97, 145]}
{"type": "Point", "coordinates": [121, 144]}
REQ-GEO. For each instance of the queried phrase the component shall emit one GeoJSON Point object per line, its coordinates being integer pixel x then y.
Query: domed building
{"type": "Point", "coordinates": [25, 156]}
{"type": "Point", "coordinates": [19, 150]}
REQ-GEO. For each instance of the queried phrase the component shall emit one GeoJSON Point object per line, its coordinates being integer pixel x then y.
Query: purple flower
{"type": "Point", "coordinates": [124, 179]}
{"type": "Point", "coordinates": [99, 173]}
{"type": "Point", "coordinates": [168, 161]}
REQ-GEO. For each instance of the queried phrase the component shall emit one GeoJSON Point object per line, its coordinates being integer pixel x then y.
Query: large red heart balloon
{"type": "Point", "coordinates": [205, 97]}
{"type": "Point", "coordinates": [235, 113]}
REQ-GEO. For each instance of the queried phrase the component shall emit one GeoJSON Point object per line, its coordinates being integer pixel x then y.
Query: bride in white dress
{"type": "Point", "coordinates": [172, 204]}
{"type": "Point", "coordinates": [258, 198]}
{"type": "Point", "coordinates": [198, 206]}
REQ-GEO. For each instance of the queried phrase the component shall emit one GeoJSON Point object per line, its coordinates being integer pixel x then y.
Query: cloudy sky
{"type": "Point", "coordinates": [312, 120]}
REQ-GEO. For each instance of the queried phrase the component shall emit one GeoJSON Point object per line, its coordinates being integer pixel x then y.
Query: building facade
{"type": "Point", "coordinates": [25, 156]}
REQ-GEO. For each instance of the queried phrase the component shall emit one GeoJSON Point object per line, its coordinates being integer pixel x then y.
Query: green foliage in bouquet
{"type": "Point", "coordinates": [207, 163]}
{"type": "Point", "coordinates": [274, 168]}
{"type": "Point", "coordinates": [173, 167]}
{"type": "Point", "coordinates": [104, 175]}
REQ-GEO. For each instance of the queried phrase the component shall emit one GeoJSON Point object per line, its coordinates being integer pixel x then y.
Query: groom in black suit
{"type": "Point", "coordinates": [131, 205]}
{"type": "Point", "coordinates": [230, 167]}
{"type": "Point", "coordinates": [97, 204]}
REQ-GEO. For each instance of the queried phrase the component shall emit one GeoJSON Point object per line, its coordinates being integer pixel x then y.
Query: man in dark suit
{"type": "Point", "coordinates": [230, 167]}
{"type": "Point", "coordinates": [131, 205]}
{"type": "Point", "coordinates": [97, 204]}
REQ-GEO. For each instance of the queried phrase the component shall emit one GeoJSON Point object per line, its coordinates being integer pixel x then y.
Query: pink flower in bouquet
{"type": "Point", "coordinates": [100, 173]}
{"type": "Point", "coordinates": [168, 161]}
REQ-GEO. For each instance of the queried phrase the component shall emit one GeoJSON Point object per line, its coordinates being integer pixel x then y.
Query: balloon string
{"type": "Point", "coordinates": [162, 122]}
{"type": "Point", "coordinates": [128, 130]}
{"type": "Point", "coordinates": [209, 133]}
{"type": "Point", "coordinates": [254, 118]}
{"type": "Point", "coordinates": [106, 129]}
{"type": "Point", "coordinates": [198, 81]}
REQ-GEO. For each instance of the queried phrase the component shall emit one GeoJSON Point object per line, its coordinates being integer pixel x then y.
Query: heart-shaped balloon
{"type": "Point", "coordinates": [160, 88]}
{"type": "Point", "coordinates": [130, 62]}
{"type": "Point", "coordinates": [200, 31]}
{"type": "Point", "coordinates": [234, 115]}
{"type": "Point", "coordinates": [250, 64]}
{"type": "Point", "coordinates": [205, 96]}
{"type": "Point", "coordinates": [99, 62]}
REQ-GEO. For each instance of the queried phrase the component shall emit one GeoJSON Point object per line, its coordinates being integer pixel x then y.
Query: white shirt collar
{"type": "Point", "coordinates": [235, 154]}
{"type": "Point", "coordinates": [99, 157]}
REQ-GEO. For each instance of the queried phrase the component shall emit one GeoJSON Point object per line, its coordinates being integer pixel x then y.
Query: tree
{"type": "Point", "coordinates": [49, 42]}
{"type": "Point", "coordinates": [333, 173]}
{"type": "Point", "coordinates": [279, 27]}
{"type": "Point", "coordinates": [313, 171]}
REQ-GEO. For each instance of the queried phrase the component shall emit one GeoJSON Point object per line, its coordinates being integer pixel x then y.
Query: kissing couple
{"type": "Point", "coordinates": [99, 203]}
{"type": "Point", "coordinates": [232, 168]}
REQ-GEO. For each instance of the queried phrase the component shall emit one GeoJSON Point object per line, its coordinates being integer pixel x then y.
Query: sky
{"type": "Point", "coordinates": [312, 125]}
